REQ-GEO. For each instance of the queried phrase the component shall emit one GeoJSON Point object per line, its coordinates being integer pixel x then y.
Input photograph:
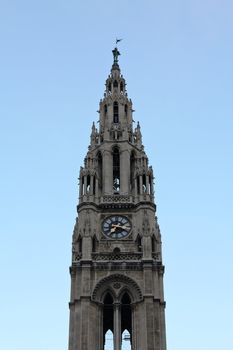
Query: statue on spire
{"type": "Point", "coordinates": [116, 53]}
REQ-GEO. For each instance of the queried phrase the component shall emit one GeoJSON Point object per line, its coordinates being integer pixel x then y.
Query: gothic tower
{"type": "Point", "coordinates": [117, 270]}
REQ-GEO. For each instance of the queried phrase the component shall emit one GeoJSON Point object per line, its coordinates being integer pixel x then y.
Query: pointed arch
{"type": "Point", "coordinates": [110, 283]}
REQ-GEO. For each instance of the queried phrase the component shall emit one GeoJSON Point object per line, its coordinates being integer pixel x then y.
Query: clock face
{"type": "Point", "coordinates": [116, 226]}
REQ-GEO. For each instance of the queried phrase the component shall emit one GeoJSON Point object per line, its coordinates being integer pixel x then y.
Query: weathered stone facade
{"type": "Point", "coordinates": [117, 270]}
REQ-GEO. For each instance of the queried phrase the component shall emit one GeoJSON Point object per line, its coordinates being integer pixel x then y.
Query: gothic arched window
{"type": "Point", "coordinates": [126, 315]}
{"type": "Point", "coordinates": [115, 112]}
{"type": "Point", "coordinates": [115, 84]}
{"type": "Point", "coordinates": [108, 317]}
{"type": "Point", "coordinates": [122, 87]}
{"type": "Point", "coordinates": [116, 169]}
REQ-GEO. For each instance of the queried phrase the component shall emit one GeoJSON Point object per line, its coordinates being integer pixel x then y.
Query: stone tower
{"type": "Point", "coordinates": [117, 270]}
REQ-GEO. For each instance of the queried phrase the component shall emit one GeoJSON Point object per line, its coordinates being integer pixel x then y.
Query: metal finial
{"type": "Point", "coordinates": [118, 40]}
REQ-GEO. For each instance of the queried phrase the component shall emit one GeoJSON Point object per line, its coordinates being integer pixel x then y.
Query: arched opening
{"type": "Point", "coordinates": [108, 322]}
{"type": "Point", "coordinates": [150, 185]}
{"type": "Point", "coordinates": [109, 87]}
{"type": "Point", "coordinates": [116, 251]}
{"type": "Point", "coordinates": [138, 184]}
{"type": "Point", "coordinates": [116, 170]}
{"type": "Point", "coordinates": [105, 109]}
{"type": "Point", "coordinates": [126, 320]}
{"type": "Point", "coordinates": [115, 112]}
{"type": "Point", "coordinates": [82, 184]}
{"type": "Point", "coordinates": [94, 179]}
{"type": "Point", "coordinates": [115, 84]}
{"type": "Point", "coordinates": [88, 184]}
{"type": "Point", "coordinates": [80, 244]}
{"type": "Point", "coordinates": [126, 109]}
{"type": "Point", "coordinates": [139, 243]}
{"type": "Point", "coordinates": [108, 343]}
{"type": "Point", "coordinates": [144, 183]}
{"type": "Point", "coordinates": [153, 244]}
{"type": "Point", "coordinates": [94, 244]}
{"type": "Point", "coordinates": [122, 87]}
{"type": "Point", "coordinates": [126, 340]}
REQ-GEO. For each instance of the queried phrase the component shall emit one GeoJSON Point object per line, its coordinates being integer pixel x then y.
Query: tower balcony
{"type": "Point", "coordinates": [116, 200]}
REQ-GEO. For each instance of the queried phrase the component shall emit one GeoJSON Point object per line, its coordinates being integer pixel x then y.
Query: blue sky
{"type": "Point", "coordinates": [176, 57]}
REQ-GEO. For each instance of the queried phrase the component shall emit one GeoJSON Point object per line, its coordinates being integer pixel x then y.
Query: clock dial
{"type": "Point", "coordinates": [116, 226]}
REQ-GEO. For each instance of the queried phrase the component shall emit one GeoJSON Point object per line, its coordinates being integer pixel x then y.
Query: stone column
{"type": "Point", "coordinates": [96, 187]}
{"type": "Point", "coordinates": [135, 187]}
{"type": "Point", "coordinates": [124, 172]}
{"type": "Point", "coordinates": [147, 184]}
{"type": "Point", "coordinates": [80, 186]}
{"type": "Point", "coordinates": [85, 184]}
{"type": "Point", "coordinates": [91, 185]}
{"type": "Point", "coordinates": [107, 172]}
{"type": "Point", "coordinates": [117, 327]}
{"type": "Point", "coordinates": [140, 184]}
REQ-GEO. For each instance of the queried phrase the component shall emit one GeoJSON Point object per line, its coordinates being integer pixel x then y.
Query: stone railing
{"type": "Point", "coordinates": [119, 256]}
{"type": "Point", "coordinates": [156, 256]}
{"type": "Point", "coordinates": [116, 199]}
{"type": "Point", "coordinates": [77, 256]}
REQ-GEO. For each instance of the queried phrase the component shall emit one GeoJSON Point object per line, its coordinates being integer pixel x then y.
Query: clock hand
{"type": "Point", "coordinates": [119, 226]}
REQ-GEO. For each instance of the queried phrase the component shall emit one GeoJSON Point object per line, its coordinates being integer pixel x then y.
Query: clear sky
{"type": "Point", "coordinates": [177, 59]}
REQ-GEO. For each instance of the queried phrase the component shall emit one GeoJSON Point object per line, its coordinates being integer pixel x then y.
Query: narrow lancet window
{"type": "Point", "coordinates": [115, 84]}
{"type": "Point", "coordinates": [115, 113]}
{"type": "Point", "coordinates": [126, 110]}
{"type": "Point", "coordinates": [80, 244]}
{"type": "Point", "coordinates": [94, 244]}
{"type": "Point", "coordinates": [144, 183]}
{"type": "Point", "coordinates": [138, 184]}
{"type": "Point", "coordinates": [108, 322]}
{"type": "Point", "coordinates": [132, 170]}
{"type": "Point", "coordinates": [139, 243]}
{"type": "Point", "coordinates": [122, 87]}
{"type": "Point", "coordinates": [126, 319]}
{"type": "Point", "coordinates": [88, 184]}
{"type": "Point", "coordinates": [100, 167]}
{"type": "Point", "coordinates": [116, 170]}
{"type": "Point", "coordinates": [153, 244]}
